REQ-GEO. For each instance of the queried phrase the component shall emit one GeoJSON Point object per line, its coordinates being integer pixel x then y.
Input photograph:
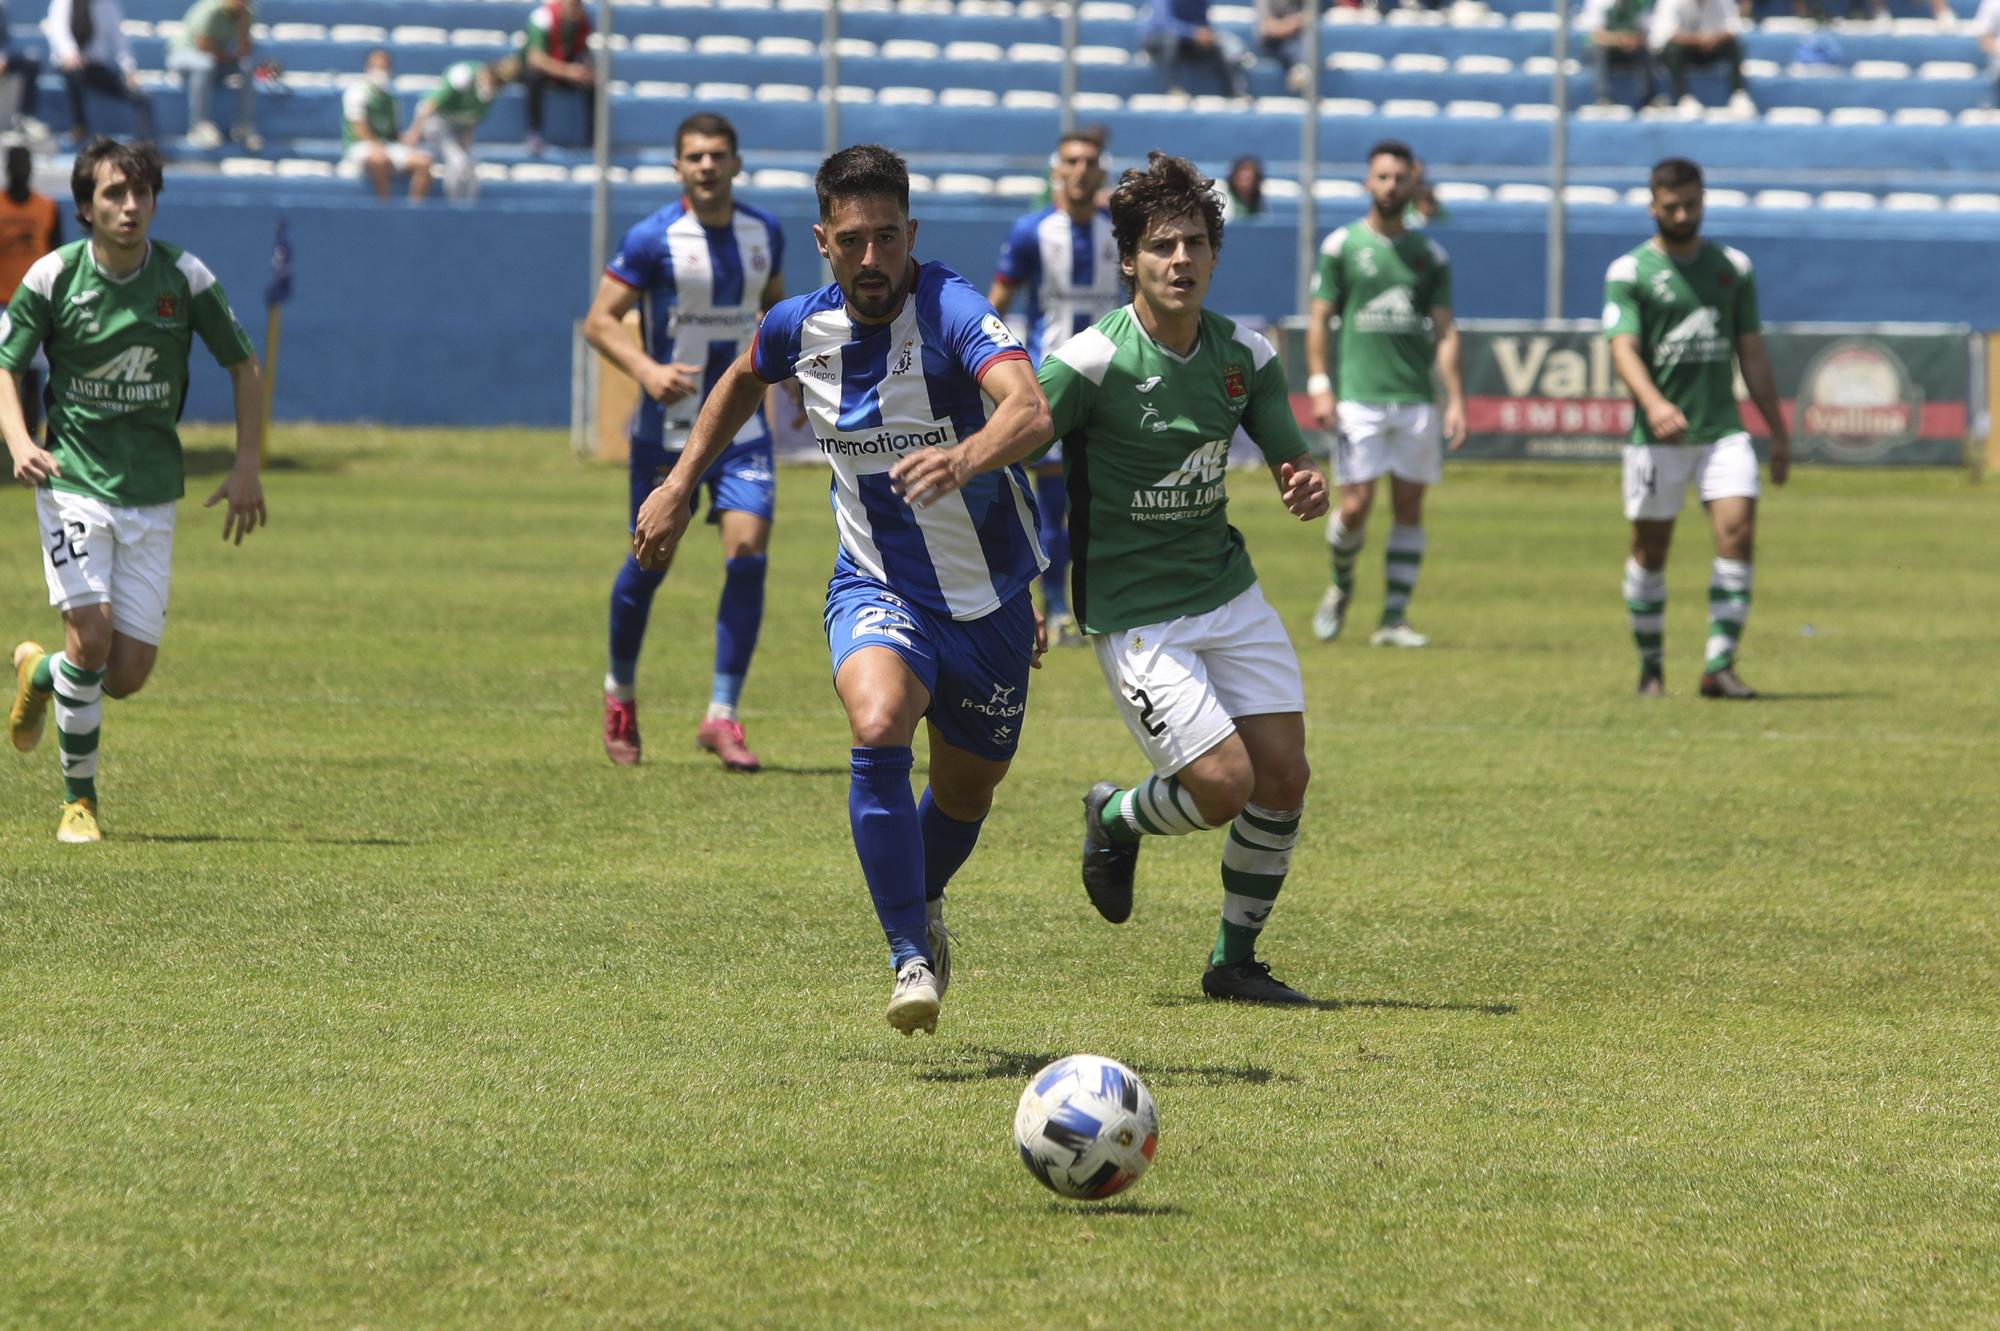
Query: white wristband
{"type": "Point", "coordinates": [1319, 383]}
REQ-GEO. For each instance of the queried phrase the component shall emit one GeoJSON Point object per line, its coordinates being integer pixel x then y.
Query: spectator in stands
{"type": "Point", "coordinates": [212, 45]}
{"type": "Point", "coordinates": [448, 117]}
{"type": "Point", "coordinates": [1174, 31]}
{"type": "Point", "coordinates": [1617, 30]}
{"type": "Point", "coordinates": [368, 132]}
{"type": "Point", "coordinates": [18, 93]}
{"type": "Point", "coordinates": [1986, 27]}
{"type": "Point", "coordinates": [30, 226]}
{"type": "Point", "coordinates": [555, 52]}
{"type": "Point", "coordinates": [1699, 33]}
{"type": "Point", "coordinates": [1246, 188]}
{"type": "Point", "coordinates": [87, 43]}
{"type": "Point", "coordinates": [1281, 34]}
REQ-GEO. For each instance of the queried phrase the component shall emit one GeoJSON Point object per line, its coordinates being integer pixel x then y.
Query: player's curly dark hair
{"type": "Point", "coordinates": [1168, 188]}
{"type": "Point", "coordinates": [864, 171]}
{"type": "Point", "coordinates": [137, 162]}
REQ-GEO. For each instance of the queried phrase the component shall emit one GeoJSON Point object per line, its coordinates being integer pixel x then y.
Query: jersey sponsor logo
{"type": "Point", "coordinates": [1663, 287]}
{"type": "Point", "coordinates": [83, 297]}
{"type": "Point", "coordinates": [132, 366]}
{"type": "Point", "coordinates": [1696, 339]}
{"type": "Point", "coordinates": [817, 368]}
{"type": "Point", "coordinates": [888, 441]}
{"type": "Point", "coordinates": [1204, 466]}
{"type": "Point", "coordinates": [1233, 382]}
{"type": "Point", "coordinates": [1190, 490]}
{"type": "Point", "coordinates": [1149, 415]}
{"type": "Point", "coordinates": [125, 381]}
{"type": "Point", "coordinates": [1148, 385]}
{"type": "Point", "coordinates": [1393, 311]}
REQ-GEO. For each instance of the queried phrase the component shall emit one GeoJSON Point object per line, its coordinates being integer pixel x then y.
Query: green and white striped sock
{"type": "Point", "coordinates": [1255, 860]}
{"type": "Point", "coordinates": [1344, 544]}
{"type": "Point", "coordinates": [1646, 605]}
{"type": "Point", "coordinates": [1401, 562]}
{"type": "Point", "coordinates": [79, 712]}
{"type": "Point", "coordinates": [1728, 607]}
{"type": "Point", "coordinates": [1157, 806]}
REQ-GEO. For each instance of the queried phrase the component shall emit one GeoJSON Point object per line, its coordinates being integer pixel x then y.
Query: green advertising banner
{"type": "Point", "coordinates": [1854, 396]}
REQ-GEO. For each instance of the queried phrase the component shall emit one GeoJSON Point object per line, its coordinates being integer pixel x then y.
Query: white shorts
{"type": "Point", "coordinates": [1657, 475]}
{"type": "Point", "coordinates": [1401, 438]}
{"type": "Point", "coordinates": [358, 153]}
{"type": "Point", "coordinates": [1181, 685]}
{"type": "Point", "coordinates": [93, 552]}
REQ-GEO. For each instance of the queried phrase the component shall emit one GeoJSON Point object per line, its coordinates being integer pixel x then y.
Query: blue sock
{"type": "Point", "coordinates": [947, 844]}
{"type": "Point", "coordinates": [1051, 503]}
{"type": "Point", "coordinates": [889, 842]}
{"type": "Point", "coordinates": [737, 618]}
{"type": "Point", "coordinates": [631, 603]}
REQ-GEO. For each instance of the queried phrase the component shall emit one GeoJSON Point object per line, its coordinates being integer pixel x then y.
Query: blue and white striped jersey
{"type": "Point", "coordinates": [1070, 272]}
{"type": "Point", "coordinates": [874, 392]}
{"type": "Point", "coordinates": [700, 291]}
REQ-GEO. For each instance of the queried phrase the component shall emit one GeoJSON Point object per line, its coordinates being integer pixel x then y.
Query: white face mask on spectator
{"type": "Point", "coordinates": [380, 78]}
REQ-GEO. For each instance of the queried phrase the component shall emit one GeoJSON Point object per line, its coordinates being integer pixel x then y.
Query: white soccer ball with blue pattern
{"type": "Point", "coordinates": [1086, 1126]}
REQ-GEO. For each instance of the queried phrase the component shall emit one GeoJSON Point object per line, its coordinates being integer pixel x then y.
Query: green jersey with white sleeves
{"type": "Point", "coordinates": [1687, 317]}
{"type": "Point", "coordinates": [456, 97]}
{"type": "Point", "coordinates": [118, 363]}
{"type": "Point", "coordinates": [1384, 291]}
{"type": "Point", "coordinates": [1145, 436]}
{"type": "Point", "coordinates": [371, 106]}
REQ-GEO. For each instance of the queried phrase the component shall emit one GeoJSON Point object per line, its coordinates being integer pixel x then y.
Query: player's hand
{"type": "Point", "coordinates": [1666, 422]}
{"type": "Point", "coordinates": [927, 475]}
{"type": "Point", "coordinates": [245, 492]}
{"type": "Point", "coordinates": [1041, 640]}
{"type": "Point", "coordinates": [1454, 425]}
{"type": "Point", "coordinates": [1781, 459]}
{"type": "Point", "coordinates": [671, 382]}
{"type": "Point", "coordinates": [663, 519]}
{"type": "Point", "coordinates": [1303, 490]}
{"type": "Point", "coordinates": [1323, 410]}
{"type": "Point", "coordinates": [36, 466]}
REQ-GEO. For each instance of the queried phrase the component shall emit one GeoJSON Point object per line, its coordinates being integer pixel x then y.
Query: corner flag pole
{"type": "Point", "coordinates": [276, 294]}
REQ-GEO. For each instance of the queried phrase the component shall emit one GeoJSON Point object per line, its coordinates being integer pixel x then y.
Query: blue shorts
{"type": "Point", "coordinates": [741, 481]}
{"type": "Point", "coordinates": [976, 670]}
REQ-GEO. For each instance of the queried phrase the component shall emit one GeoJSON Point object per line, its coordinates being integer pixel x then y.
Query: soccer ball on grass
{"type": "Point", "coordinates": [1086, 1126]}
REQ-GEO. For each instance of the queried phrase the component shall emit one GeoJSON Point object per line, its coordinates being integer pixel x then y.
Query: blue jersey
{"type": "Point", "coordinates": [1070, 273]}
{"type": "Point", "coordinates": [700, 291]}
{"type": "Point", "coordinates": [874, 392]}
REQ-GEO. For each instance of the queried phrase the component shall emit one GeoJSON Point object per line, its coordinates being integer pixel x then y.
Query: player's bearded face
{"type": "Point", "coordinates": [867, 243]}
{"type": "Point", "coordinates": [1390, 183]}
{"type": "Point", "coordinates": [1173, 264]}
{"type": "Point", "coordinates": [1677, 213]}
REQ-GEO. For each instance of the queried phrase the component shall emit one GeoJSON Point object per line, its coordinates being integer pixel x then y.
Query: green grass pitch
{"type": "Point", "coordinates": [389, 1003]}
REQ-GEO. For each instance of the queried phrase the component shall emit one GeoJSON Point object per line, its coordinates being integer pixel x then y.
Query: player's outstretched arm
{"type": "Point", "coordinates": [1763, 386]}
{"type": "Point", "coordinates": [1662, 416]}
{"type": "Point", "coordinates": [1448, 370]}
{"type": "Point", "coordinates": [664, 516]}
{"type": "Point", "coordinates": [1019, 425]}
{"type": "Point", "coordinates": [242, 487]}
{"type": "Point", "coordinates": [1302, 486]}
{"type": "Point", "coordinates": [33, 464]}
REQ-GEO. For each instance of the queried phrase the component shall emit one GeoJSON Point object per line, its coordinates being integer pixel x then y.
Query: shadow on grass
{"type": "Point", "coordinates": [1008, 1065]}
{"type": "Point", "coordinates": [1336, 1004]}
{"type": "Point", "coordinates": [1101, 1210]}
{"type": "Point", "coordinates": [780, 769]}
{"type": "Point", "coordinates": [215, 460]}
{"type": "Point", "coordinates": [205, 838]}
{"type": "Point", "coordinates": [1833, 696]}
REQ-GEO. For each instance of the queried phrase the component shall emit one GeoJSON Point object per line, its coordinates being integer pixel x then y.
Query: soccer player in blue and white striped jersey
{"type": "Point", "coordinates": [1065, 259]}
{"type": "Point", "coordinates": [928, 614]}
{"type": "Point", "coordinates": [701, 272]}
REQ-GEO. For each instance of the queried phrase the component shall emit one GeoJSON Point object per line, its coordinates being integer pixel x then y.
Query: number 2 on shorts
{"type": "Point", "coordinates": [66, 543]}
{"type": "Point", "coordinates": [1145, 706]}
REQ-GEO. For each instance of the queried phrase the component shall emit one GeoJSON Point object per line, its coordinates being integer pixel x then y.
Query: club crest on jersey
{"type": "Point", "coordinates": [166, 307]}
{"type": "Point", "coordinates": [902, 365]}
{"type": "Point", "coordinates": [1233, 382]}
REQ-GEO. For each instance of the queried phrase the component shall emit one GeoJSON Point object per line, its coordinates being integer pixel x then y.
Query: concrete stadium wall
{"type": "Point", "coordinates": [455, 316]}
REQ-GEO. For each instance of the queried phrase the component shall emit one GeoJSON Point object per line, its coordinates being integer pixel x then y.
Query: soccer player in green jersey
{"type": "Point", "coordinates": [1391, 288]}
{"type": "Point", "coordinates": [117, 313]}
{"type": "Point", "coordinates": [1681, 313]}
{"type": "Point", "coordinates": [1146, 402]}
{"type": "Point", "coordinates": [450, 114]}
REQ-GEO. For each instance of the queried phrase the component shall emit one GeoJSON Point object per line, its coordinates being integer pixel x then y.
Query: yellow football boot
{"type": "Point", "coordinates": [79, 823]}
{"type": "Point", "coordinates": [31, 705]}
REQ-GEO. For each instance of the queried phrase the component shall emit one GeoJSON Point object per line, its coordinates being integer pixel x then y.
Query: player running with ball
{"type": "Point", "coordinates": [117, 313]}
{"type": "Point", "coordinates": [929, 618]}
{"type": "Point", "coordinates": [1203, 673]}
